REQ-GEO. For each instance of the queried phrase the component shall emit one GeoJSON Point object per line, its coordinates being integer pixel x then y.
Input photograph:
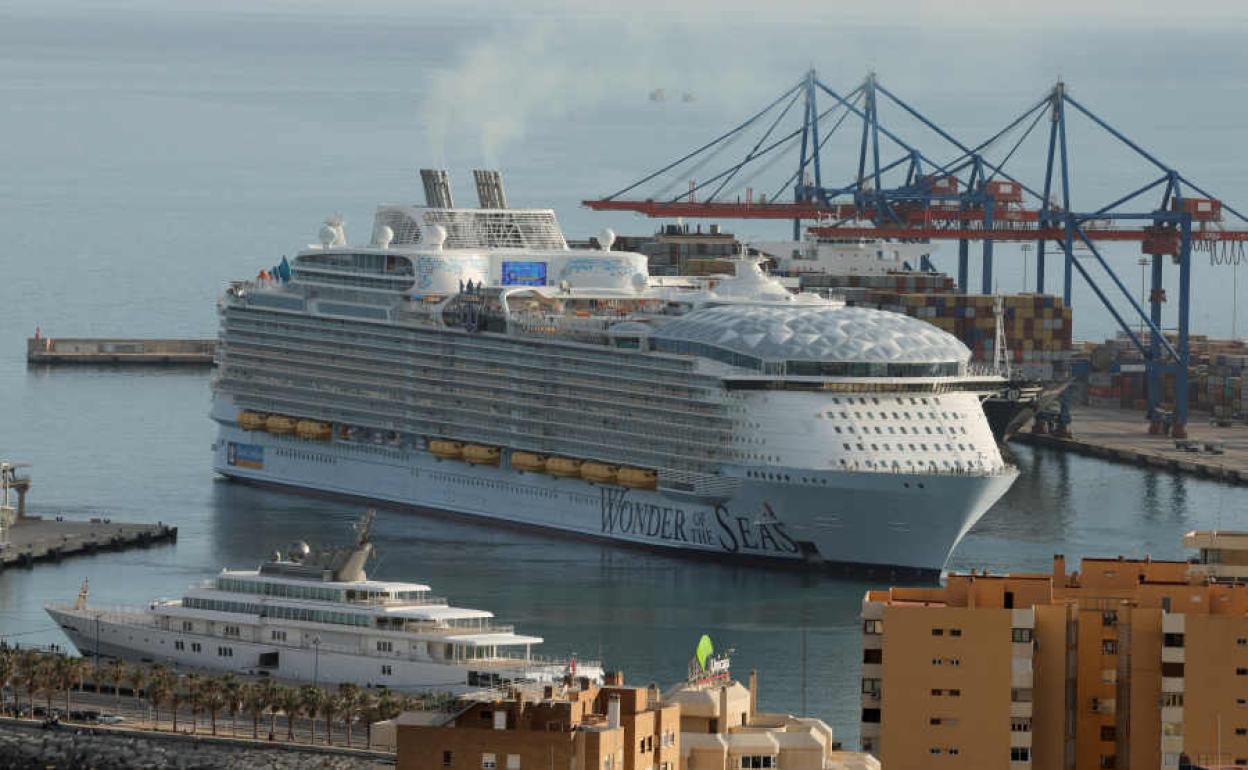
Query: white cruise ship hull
{"type": "Point", "coordinates": [135, 637]}
{"type": "Point", "coordinates": [869, 521]}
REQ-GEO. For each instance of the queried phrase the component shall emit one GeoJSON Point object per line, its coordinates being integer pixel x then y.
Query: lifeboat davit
{"type": "Point", "coordinates": [311, 429]}
{"type": "Point", "coordinates": [600, 472]}
{"type": "Point", "coordinates": [447, 449]}
{"type": "Point", "coordinates": [528, 461]}
{"type": "Point", "coordinates": [280, 425]}
{"type": "Point", "coordinates": [637, 478]}
{"type": "Point", "coordinates": [250, 420]}
{"type": "Point", "coordinates": [478, 454]}
{"type": "Point", "coordinates": [563, 466]}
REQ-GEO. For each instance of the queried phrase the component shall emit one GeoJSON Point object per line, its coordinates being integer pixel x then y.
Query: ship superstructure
{"type": "Point", "coordinates": [467, 360]}
{"type": "Point", "coordinates": [316, 616]}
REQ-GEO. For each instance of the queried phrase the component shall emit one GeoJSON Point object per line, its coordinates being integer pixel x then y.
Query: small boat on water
{"type": "Point", "coordinates": [316, 616]}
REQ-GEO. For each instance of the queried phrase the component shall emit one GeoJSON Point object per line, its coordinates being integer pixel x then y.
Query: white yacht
{"type": "Point", "coordinates": [314, 616]}
{"type": "Point", "coordinates": [469, 361]}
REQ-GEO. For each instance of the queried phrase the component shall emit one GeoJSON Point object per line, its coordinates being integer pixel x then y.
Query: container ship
{"type": "Point", "coordinates": [467, 360]}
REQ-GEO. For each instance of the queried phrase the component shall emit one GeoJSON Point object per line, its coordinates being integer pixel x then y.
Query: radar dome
{"type": "Point", "coordinates": [299, 550]}
{"type": "Point", "coordinates": [435, 236]}
{"type": "Point", "coordinates": [606, 238]}
{"type": "Point", "coordinates": [384, 236]}
{"type": "Point", "coordinates": [327, 235]}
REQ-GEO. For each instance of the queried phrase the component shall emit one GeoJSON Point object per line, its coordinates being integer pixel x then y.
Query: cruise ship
{"type": "Point", "coordinates": [314, 616]}
{"type": "Point", "coordinates": [466, 360]}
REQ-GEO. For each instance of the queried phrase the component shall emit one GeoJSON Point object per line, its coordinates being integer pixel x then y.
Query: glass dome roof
{"type": "Point", "coordinates": [840, 334]}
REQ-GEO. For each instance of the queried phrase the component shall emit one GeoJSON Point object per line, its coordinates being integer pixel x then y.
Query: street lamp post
{"type": "Point", "coordinates": [316, 660]}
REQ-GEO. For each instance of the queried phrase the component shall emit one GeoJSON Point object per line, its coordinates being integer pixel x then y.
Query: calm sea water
{"type": "Point", "coordinates": [150, 156]}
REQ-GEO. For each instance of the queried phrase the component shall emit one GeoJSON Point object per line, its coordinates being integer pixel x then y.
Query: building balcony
{"type": "Point", "coordinates": [1023, 618]}
{"type": "Point", "coordinates": [1173, 622]}
{"type": "Point", "coordinates": [1020, 710]}
{"type": "Point", "coordinates": [1022, 650]}
{"type": "Point", "coordinates": [1172, 684]}
{"type": "Point", "coordinates": [1173, 655]}
{"type": "Point", "coordinates": [1020, 766]}
{"type": "Point", "coordinates": [1172, 715]}
{"type": "Point", "coordinates": [1020, 739]}
{"type": "Point", "coordinates": [1171, 744]}
{"type": "Point", "coordinates": [1021, 678]}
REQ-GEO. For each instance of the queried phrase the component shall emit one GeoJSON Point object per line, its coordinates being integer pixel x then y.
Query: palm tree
{"type": "Point", "coordinates": [30, 674]}
{"type": "Point", "coordinates": [8, 673]}
{"type": "Point", "coordinates": [68, 672]}
{"type": "Point", "coordinates": [194, 696]}
{"type": "Point", "coordinates": [368, 712]}
{"type": "Point", "coordinates": [114, 673]}
{"type": "Point", "coordinates": [212, 697]}
{"type": "Point", "coordinates": [291, 701]}
{"type": "Point", "coordinates": [271, 698]}
{"type": "Point", "coordinates": [232, 689]}
{"type": "Point", "coordinates": [331, 704]}
{"type": "Point", "coordinates": [251, 699]}
{"type": "Point", "coordinates": [136, 677]}
{"type": "Point", "coordinates": [311, 698]}
{"type": "Point", "coordinates": [349, 698]}
{"type": "Point", "coordinates": [161, 686]}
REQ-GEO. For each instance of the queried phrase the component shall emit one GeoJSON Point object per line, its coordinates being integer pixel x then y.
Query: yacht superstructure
{"type": "Point", "coordinates": [315, 616]}
{"type": "Point", "coordinates": [467, 360]}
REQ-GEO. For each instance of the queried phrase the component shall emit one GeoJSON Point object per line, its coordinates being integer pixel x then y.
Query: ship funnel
{"type": "Point", "coordinates": [437, 188]}
{"type": "Point", "coordinates": [490, 189]}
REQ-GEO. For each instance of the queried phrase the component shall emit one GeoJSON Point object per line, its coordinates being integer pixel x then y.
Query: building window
{"type": "Point", "coordinates": [386, 670]}
{"type": "Point", "coordinates": [231, 630]}
{"type": "Point", "coordinates": [1109, 617]}
{"type": "Point", "coordinates": [953, 631]}
{"type": "Point", "coordinates": [1241, 672]}
{"type": "Point", "coordinates": [1172, 669]}
{"type": "Point", "coordinates": [488, 762]}
{"type": "Point", "coordinates": [872, 626]}
{"type": "Point", "coordinates": [935, 751]}
{"type": "Point", "coordinates": [513, 762]}
{"type": "Point", "coordinates": [756, 761]}
{"type": "Point", "coordinates": [188, 625]}
{"type": "Point", "coordinates": [179, 645]}
{"type": "Point", "coordinates": [871, 716]}
{"type": "Point", "coordinates": [448, 759]}
{"type": "Point", "coordinates": [937, 692]}
{"type": "Point", "coordinates": [195, 647]}
{"type": "Point", "coordinates": [873, 655]}
{"type": "Point", "coordinates": [385, 646]}
{"type": "Point", "coordinates": [1020, 754]}
{"type": "Point", "coordinates": [1020, 635]}
{"type": "Point", "coordinates": [1241, 730]}
{"type": "Point", "coordinates": [871, 686]}
{"type": "Point", "coordinates": [1172, 699]}
{"type": "Point", "coordinates": [1109, 761]}
{"type": "Point", "coordinates": [1020, 725]}
{"type": "Point", "coordinates": [1020, 695]}
{"type": "Point", "coordinates": [1109, 733]}
{"type": "Point", "coordinates": [1172, 640]}
{"type": "Point", "coordinates": [277, 636]}
{"type": "Point", "coordinates": [1109, 646]}
{"type": "Point", "coordinates": [938, 632]}
{"type": "Point", "coordinates": [1172, 729]}
{"type": "Point", "coordinates": [954, 693]}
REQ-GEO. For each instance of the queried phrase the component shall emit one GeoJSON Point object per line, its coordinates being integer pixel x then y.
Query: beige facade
{"type": "Point", "coordinates": [1127, 663]}
{"type": "Point", "coordinates": [695, 726]}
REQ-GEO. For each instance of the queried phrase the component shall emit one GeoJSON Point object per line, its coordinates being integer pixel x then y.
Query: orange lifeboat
{"type": "Point", "coordinates": [599, 472]}
{"type": "Point", "coordinates": [563, 466]}
{"type": "Point", "coordinates": [251, 420]}
{"type": "Point", "coordinates": [279, 425]}
{"type": "Point", "coordinates": [313, 430]}
{"type": "Point", "coordinates": [478, 454]}
{"type": "Point", "coordinates": [637, 478]}
{"type": "Point", "coordinates": [528, 461]}
{"type": "Point", "coordinates": [446, 449]}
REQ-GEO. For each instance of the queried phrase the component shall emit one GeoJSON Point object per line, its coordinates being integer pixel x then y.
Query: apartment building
{"type": "Point", "coordinates": [1126, 663]}
{"type": "Point", "coordinates": [585, 727]}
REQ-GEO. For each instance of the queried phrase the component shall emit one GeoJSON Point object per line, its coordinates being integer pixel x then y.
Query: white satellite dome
{"type": "Point", "coordinates": [435, 236]}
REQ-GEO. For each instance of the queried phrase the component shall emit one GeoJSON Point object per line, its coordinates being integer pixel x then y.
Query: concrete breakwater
{"type": "Point", "coordinates": [88, 350]}
{"type": "Point", "coordinates": [25, 744]}
{"type": "Point", "coordinates": [32, 539]}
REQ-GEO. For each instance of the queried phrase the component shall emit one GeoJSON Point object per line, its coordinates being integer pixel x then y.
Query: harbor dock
{"type": "Point", "coordinates": [101, 350]}
{"type": "Point", "coordinates": [1121, 435]}
{"type": "Point", "coordinates": [32, 539]}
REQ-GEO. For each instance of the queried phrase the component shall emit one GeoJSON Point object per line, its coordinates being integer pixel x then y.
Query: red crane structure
{"type": "Point", "coordinates": [967, 198]}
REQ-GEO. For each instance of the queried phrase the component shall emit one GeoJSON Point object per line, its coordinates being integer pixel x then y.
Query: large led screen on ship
{"type": "Point", "coordinates": [524, 273]}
